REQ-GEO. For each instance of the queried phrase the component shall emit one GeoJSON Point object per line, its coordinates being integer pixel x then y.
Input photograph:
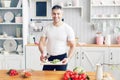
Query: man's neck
{"type": "Point", "coordinates": [57, 24]}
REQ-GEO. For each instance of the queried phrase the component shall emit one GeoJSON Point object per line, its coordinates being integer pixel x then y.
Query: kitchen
{"type": "Point", "coordinates": [89, 19]}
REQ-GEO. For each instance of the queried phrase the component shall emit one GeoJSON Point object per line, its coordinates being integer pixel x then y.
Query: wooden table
{"type": "Point", "coordinates": [40, 75]}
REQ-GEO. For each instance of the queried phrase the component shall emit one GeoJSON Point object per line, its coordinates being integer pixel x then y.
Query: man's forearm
{"type": "Point", "coordinates": [42, 44]}
{"type": "Point", "coordinates": [41, 48]}
{"type": "Point", "coordinates": [71, 51]}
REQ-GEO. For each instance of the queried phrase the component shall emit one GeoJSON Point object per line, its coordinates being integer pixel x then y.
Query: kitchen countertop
{"type": "Point", "coordinates": [87, 45]}
{"type": "Point", "coordinates": [40, 75]}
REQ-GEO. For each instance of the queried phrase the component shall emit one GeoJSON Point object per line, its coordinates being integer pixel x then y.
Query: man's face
{"type": "Point", "coordinates": [57, 15]}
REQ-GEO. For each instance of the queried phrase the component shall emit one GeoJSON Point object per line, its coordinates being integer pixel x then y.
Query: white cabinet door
{"type": "Point", "coordinates": [14, 62]}
{"type": "Point", "coordinates": [33, 58]}
{"type": "Point", "coordinates": [114, 60]}
{"type": "Point", "coordinates": [90, 56]}
{"type": "Point", "coordinates": [114, 55]}
{"type": "Point", "coordinates": [75, 60]}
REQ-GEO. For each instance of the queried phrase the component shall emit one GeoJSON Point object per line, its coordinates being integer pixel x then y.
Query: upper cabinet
{"type": "Point", "coordinates": [11, 24]}
{"type": "Point", "coordinates": [105, 16]}
{"type": "Point", "coordinates": [105, 9]}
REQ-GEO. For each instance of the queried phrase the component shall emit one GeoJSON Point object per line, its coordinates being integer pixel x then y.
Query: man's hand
{"type": "Point", "coordinates": [42, 58]}
{"type": "Point", "coordinates": [65, 61]}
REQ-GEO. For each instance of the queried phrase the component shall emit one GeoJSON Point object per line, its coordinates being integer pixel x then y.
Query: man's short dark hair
{"type": "Point", "coordinates": [56, 7]}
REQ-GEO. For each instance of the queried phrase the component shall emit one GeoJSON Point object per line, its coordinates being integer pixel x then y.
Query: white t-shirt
{"type": "Point", "coordinates": [57, 38]}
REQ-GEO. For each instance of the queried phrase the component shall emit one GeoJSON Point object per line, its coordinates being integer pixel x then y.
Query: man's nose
{"type": "Point", "coordinates": [56, 15]}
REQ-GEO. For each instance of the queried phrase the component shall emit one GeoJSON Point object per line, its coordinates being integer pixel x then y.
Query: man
{"type": "Point", "coordinates": [57, 36]}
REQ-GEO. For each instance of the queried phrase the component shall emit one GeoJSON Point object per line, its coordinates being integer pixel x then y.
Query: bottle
{"type": "Point", "coordinates": [18, 32]}
{"type": "Point", "coordinates": [107, 40]}
{"type": "Point", "coordinates": [99, 72]}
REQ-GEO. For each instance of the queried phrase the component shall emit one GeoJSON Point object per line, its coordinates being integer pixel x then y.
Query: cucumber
{"type": "Point", "coordinates": [55, 61]}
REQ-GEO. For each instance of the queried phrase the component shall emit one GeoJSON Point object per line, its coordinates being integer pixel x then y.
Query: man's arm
{"type": "Point", "coordinates": [71, 49]}
{"type": "Point", "coordinates": [72, 45]}
{"type": "Point", "coordinates": [41, 46]}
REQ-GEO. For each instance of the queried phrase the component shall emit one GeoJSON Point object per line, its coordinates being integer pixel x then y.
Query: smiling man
{"type": "Point", "coordinates": [56, 37]}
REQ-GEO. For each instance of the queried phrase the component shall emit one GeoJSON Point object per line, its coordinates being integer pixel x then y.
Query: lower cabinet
{"type": "Point", "coordinates": [74, 61]}
{"type": "Point", "coordinates": [90, 56]}
{"type": "Point", "coordinates": [86, 57]}
{"type": "Point", "coordinates": [12, 62]}
{"type": "Point", "coordinates": [33, 58]}
{"type": "Point", "coordinates": [113, 62]}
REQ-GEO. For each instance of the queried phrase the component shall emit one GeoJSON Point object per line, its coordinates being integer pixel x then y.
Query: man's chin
{"type": "Point", "coordinates": [56, 21]}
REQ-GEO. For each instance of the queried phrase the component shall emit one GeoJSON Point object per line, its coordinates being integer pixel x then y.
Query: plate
{"type": "Point", "coordinates": [49, 63]}
{"type": "Point", "coordinates": [9, 45]}
{"type": "Point", "coordinates": [8, 16]}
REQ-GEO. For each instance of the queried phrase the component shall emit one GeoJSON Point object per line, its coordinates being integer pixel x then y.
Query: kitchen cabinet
{"type": "Point", "coordinates": [13, 35]}
{"type": "Point", "coordinates": [33, 58]}
{"type": "Point", "coordinates": [74, 61]}
{"type": "Point", "coordinates": [114, 55]}
{"type": "Point", "coordinates": [113, 62]}
{"type": "Point", "coordinates": [11, 28]}
{"type": "Point", "coordinates": [108, 9]}
{"type": "Point", "coordinates": [90, 56]}
{"type": "Point", "coordinates": [105, 15]}
{"type": "Point", "coordinates": [86, 57]}
{"type": "Point", "coordinates": [14, 62]}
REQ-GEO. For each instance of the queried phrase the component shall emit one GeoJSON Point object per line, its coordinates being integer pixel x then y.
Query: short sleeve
{"type": "Point", "coordinates": [71, 34]}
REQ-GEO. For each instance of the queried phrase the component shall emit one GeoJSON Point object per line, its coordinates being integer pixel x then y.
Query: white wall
{"type": "Point", "coordinates": [81, 25]}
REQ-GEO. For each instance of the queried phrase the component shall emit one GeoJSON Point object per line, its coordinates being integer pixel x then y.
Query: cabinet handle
{"type": "Point", "coordinates": [111, 56]}
{"type": "Point", "coordinates": [82, 55]}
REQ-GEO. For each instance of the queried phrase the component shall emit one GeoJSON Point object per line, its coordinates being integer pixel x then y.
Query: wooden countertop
{"type": "Point", "coordinates": [87, 45]}
{"type": "Point", "coordinates": [40, 75]}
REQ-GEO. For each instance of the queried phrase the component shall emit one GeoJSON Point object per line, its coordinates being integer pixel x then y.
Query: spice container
{"type": "Point", "coordinates": [99, 39]}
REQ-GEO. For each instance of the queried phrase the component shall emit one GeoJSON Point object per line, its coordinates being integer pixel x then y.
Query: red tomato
{"type": "Point", "coordinates": [83, 75]}
{"type": "Point", "coordinates": [66, 76]}
{"type": "Point", "coordinates": [75, 77]}
{"type": "Point", "coordinates": [79, 77]}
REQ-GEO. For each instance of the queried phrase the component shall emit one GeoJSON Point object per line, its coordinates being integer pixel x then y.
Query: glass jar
{"type": "Point", "coordinates": [99, 39]}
